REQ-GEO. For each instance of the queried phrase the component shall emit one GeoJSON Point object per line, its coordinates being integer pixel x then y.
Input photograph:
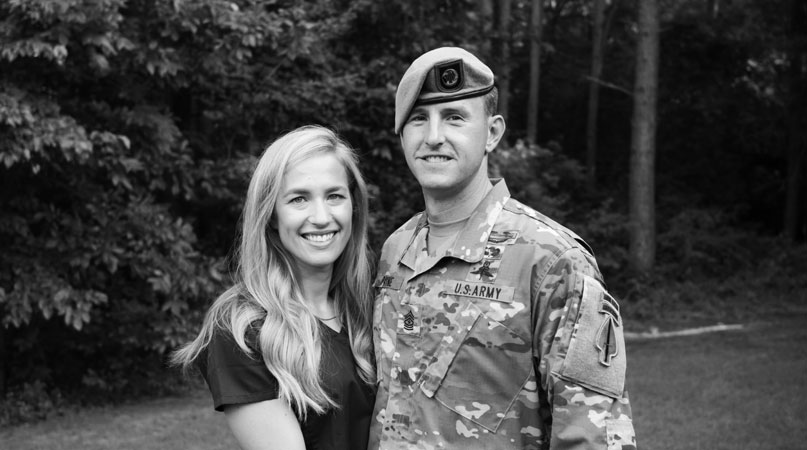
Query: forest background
{"type": "Point", "coordinates": [129, 129]}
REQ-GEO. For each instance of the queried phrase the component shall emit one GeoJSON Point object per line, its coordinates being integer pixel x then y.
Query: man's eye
{"type": "Point", "coordinates": [417, 118]}
{"type": "Point", "coordinates": [455, 117]}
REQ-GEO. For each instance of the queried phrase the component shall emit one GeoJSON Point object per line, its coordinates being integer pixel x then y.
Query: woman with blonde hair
{"type": "Point", "coordinates": [287, 350]}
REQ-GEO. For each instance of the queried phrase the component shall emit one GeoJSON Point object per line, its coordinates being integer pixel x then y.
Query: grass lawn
{"type": "Point", "coordinates": [178, 423]}
{"type": "Point", "coordinates": [728, 390]}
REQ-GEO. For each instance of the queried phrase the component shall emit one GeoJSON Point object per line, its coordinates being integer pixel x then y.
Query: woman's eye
{"type": "Point", "coordinates": [336, 197]}
{"type": "Point", "coordinates": [297, 200]}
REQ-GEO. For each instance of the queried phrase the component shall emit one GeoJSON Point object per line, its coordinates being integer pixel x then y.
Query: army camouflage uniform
{"type": "Point", "coordinates": [507, 340]}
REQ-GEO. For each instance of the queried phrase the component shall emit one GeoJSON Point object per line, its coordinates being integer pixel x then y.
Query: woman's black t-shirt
{"type": "Point", "coordinates": [235, 378]}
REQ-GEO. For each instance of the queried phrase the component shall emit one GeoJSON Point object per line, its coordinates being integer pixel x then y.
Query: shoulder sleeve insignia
{"type": "Point", "coordinates": [606, 340]}
{"type": "Point", "coordinates": [595, 354]}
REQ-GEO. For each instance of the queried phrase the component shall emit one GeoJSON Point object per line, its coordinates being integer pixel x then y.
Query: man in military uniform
{"type": "Point", "coordinates": [492, 326]}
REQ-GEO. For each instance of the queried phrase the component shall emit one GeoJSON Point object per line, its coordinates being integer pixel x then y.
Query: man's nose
{"type": "Point", "coordinates": [435, 137]}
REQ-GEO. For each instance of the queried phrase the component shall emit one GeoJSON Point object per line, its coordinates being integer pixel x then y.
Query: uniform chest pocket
{"type": "Point", "coordinates": [479, 368]}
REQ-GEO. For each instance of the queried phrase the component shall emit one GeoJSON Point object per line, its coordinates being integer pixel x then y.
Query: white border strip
{"type": "Point", "coordinates": [654, 333]}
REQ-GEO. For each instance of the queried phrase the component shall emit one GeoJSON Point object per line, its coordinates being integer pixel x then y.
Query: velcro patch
{"type": "Point", "coordinates": [484, 291]}
{"type": "Point", "coordinates": [388, 282]}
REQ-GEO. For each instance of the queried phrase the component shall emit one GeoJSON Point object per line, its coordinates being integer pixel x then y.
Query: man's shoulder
{"type": "Point", "coordinates": [535, 227]}
{"type": "Point", "coordinates": [404, 232]}
{"type": "Point", "coordinates": [396, 243]}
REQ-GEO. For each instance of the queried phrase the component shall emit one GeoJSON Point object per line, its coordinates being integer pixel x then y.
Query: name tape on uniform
{"type": "Point", "coordinates": [389, 282]}
{"type": "Point", "coordinates": [484, 291]}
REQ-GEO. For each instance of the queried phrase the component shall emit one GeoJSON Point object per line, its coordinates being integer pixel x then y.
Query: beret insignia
{"type": "Point", "coordinates": [450, 76]}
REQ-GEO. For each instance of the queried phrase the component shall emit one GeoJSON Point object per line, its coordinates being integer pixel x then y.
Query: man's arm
{"type": "Point", "coordinates": [580, 358]}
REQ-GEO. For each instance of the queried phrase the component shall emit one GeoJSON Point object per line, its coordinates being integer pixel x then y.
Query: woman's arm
{"type": "Point", "coordinates": [266, 425]}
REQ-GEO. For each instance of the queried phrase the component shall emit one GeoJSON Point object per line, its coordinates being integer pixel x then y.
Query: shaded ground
{"type": "Point", "coordinates": [187, 423]}
{"type": "Point", "coordinates": [726, 390]}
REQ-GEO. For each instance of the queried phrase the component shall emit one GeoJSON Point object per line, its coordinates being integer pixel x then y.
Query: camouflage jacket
{"type": "Point", "coordinates": [507, 340]}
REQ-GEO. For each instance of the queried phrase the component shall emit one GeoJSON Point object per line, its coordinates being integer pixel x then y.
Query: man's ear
{"type": "Point", "coordinates": [496, 127]}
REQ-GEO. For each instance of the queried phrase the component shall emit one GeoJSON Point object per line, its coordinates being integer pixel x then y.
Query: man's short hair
{"type": "Point", "coordinates": [492, 102]}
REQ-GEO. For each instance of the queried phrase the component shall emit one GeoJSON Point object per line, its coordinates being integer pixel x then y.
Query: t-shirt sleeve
{"type": "Point", "coordinates": [234, 377]}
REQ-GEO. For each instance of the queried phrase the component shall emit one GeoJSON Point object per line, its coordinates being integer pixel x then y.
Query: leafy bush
{"type": "Point", "coordinates": [548, 180]}
{"type": "Point", "coordinates": [720, 286]}
{"type": "Point", "coordinates": [29, 402]}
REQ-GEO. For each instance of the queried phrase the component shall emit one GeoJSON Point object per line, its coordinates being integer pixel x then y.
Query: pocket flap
{"type": "Point", "coordinates": [438, 364]}
{"type": "Point", "coordinates": [488, 370]}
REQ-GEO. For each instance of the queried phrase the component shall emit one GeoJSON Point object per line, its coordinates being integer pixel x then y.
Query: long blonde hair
{"type": "Point", "coordinates": [265, 291]}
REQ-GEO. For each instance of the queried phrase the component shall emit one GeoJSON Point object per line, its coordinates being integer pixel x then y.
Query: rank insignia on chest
{"type": "Point", "coordinates": [409, 321]}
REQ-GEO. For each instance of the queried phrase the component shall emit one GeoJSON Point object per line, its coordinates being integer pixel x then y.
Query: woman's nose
{"type": "Point", "coordinates": [320, 213]}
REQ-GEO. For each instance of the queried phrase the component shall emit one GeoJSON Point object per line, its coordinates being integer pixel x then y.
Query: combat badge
{"type": "Point", "coordinates": [606, 341]}
{"type": "Point", "coordinates": [503, 237]}
{"type": "Point", "coordinates": [487, 269]}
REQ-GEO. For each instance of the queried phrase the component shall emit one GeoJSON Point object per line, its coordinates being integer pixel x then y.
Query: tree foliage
{"type": "Point", "coordinates": [129, 129]}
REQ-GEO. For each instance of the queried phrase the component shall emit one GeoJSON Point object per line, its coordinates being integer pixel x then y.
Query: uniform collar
{"type": "Point", "coordinates": [471, 241]}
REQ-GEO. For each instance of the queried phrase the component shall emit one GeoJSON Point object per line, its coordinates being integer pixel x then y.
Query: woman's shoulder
{"type": "Point", "coordinates": [223, 340]}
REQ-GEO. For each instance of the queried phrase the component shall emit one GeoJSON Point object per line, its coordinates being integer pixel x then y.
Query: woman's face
{"type": "Point", "coordinates": [313, 214]}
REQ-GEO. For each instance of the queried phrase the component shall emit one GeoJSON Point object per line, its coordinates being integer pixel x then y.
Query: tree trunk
{"type": "Point", "coordinates": [3, 361]}
{"type": "Point", "coordinates": [503, 71]}
{"type": "Point", "coordinates": [536, 28]}
{"type": "Point", "coordinates": [486, 22]}
{"type": "Point", "coordinates": [795, 208]}
{"type": "Point", "coordinates": [713, 8]}
{"type": "Point", "coordinates": [643, 141]}
{"type": "Point", "coordinates": [597, 25]}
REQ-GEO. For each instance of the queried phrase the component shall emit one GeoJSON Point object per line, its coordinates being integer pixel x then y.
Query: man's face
{"type": "Point", "coordinates": [446, 144]}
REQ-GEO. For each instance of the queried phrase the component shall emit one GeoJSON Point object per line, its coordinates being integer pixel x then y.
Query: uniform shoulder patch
{"type": "Point", "coordinates": [595, 357]}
